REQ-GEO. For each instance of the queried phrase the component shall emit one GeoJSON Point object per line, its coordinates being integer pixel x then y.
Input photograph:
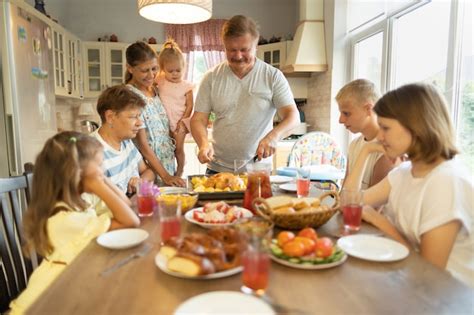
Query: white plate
{"type": "Point", "coordinates": [224, 302]}
{"type": "Point", "coordinates": [279, 179]}
{"type": "Point", "coordinates": [288, 187]}
{"type": "Point", "coordinates": [161, 261]}
{"type": "Point", "coordinates": [189, 217]}
{"type": "Point", "coordinates": [309, 267]}
{"type": "Point", "coordinates": [373, 248]}
{"type": "Point", "coordinates": [121, 239]}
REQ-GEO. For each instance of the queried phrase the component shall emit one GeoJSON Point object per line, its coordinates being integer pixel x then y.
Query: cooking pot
{"type": "Point", "coordinates": [88, 126]}
{"type": "Point", "coordinates": [300, 129]}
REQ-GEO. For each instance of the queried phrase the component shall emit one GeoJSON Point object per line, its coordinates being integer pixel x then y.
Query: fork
{"type": "Point", "coordinates": [139, 253]}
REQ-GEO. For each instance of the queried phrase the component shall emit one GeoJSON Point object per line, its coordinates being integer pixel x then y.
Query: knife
{"type": "Point", "coordinates": [140, 253]}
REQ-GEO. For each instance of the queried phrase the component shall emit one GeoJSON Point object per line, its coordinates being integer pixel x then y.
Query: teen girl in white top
{"type": "Point", "coordinates": [429, 197]}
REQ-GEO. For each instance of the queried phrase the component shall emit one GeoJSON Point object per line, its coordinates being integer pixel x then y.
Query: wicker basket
{"type": "Point", "coordinates": [298, 220]}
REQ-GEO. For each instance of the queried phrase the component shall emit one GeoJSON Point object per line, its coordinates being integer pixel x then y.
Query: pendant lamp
{"type": "Point", "coordinates": [176, 11]}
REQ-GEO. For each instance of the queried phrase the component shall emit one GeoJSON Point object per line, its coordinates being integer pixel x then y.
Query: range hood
{"type": "Point", "coordinates": [308, 51]}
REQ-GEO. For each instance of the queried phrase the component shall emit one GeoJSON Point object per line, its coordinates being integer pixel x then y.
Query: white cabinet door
{"type": "Point", "coordinates": [115, 63]}
{"type": "Point", "coordinates": [104, 66]}
{"type": "Point", "coordinates": [94, 68]}
{"type": "Point", "coordinates": [59, 60]}
{"type": "Point", "coordinates": [275, 53]}
{"type": "Point", "coordinates": [74, 67]}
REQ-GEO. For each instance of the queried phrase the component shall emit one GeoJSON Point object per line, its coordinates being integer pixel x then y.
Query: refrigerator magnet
{"type": "Point", "coordinates": [21, 34]}
{"type": "Point", "coordinates": [36, 46]}
{"type": "Point", "coordinates": [39, 73]}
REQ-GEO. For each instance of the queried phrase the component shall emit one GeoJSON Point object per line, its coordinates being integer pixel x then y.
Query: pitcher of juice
{"type": "Point", "coordinates": [258, 183]}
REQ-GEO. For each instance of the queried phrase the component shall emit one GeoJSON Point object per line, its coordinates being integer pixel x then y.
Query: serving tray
{"type": "Point", "coordinates": [218, 195]}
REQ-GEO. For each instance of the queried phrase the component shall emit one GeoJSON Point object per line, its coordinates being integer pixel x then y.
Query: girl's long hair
{"type": "Point", "coordinates": [56, 177]}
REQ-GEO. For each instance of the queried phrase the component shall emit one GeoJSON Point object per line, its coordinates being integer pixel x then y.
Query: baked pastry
{"type": "Point", "coordinates": [196, 253]}
{"type": "Point", "coordinates": [190, 264]}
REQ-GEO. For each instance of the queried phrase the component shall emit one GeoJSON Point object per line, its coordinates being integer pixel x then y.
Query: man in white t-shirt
{"type": "Point", "coordinates": [244, 93]}
{"type": "Point", "coordinates": [356, 100]}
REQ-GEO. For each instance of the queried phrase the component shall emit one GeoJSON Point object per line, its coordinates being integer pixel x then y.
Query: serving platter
{"type": "Point", "coordinates": [309, 266]}
{"type": "Point", "coordinates": [218, 195]}
{"type": "Point", "coordinates": [161, 262]}
{"type": "Point", "coordinates": [189, 217]}
{"type": "Point", "coordinates": [337, 258]}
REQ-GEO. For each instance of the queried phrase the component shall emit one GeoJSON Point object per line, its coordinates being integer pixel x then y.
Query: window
{"type": "Point", "coordinates": [429, 41]}
{"type": "Point", "coordinates": [368, 58]}
{"type": "Point", "coordinates": [424, 60]}
{"type": "Point", "coordinates": [465, 104]}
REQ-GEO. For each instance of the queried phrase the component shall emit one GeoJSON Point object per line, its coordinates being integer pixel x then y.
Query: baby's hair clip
{"type": "Point", "coordinates": [73, 139]}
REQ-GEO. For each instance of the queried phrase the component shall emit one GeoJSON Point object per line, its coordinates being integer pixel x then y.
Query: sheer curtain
{"type": "Point", "coordinates": [204, 36]}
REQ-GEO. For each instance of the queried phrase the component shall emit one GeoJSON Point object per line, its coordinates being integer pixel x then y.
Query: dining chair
{"type": "Point", "coordinates": [317, 148]}
{"type": "Point", "coordinates": [17, 268]}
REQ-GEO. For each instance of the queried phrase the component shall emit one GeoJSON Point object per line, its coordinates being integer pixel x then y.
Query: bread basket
{"type": "Point", "coordinates": [300, 219]}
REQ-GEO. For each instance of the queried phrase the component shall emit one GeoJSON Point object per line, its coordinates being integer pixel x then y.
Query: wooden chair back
{"type": "Point", "coordinates": [17, 268]}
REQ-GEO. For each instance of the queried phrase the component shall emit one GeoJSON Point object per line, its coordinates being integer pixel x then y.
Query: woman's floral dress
{"type": "Point", "coordinates": [157, 128]}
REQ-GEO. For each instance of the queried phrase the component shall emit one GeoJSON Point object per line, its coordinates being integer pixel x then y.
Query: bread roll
{"type": "Point", "coordinates": [190, 265]}
{"type": "Point", "coordinates": [276, 202]}
{"type": "Point", "coordinates": [300, 203]}
{"type": "Point", "coordinates": [285, 210]}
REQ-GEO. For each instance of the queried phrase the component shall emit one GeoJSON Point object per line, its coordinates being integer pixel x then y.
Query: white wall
{"type": "Point", "coordinates": [91, 19]}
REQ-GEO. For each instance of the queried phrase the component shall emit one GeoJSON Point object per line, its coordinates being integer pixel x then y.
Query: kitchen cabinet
{"type": "Point", "coordinates": [59, 61]}
{"type": "Point", "coordinates": [75, 83]}
{"type": "Point", "coordinates": [104, 65]}
{"type": "Point", "coordinates": [274, 53]}
{"type": "Point", "coordinates": [67, 58]}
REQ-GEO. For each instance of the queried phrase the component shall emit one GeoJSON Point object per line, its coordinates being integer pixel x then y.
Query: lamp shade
{"type": "Point", "coordinates": [86, 109]}
{"type": "Point", "coordinates": [176, 11]}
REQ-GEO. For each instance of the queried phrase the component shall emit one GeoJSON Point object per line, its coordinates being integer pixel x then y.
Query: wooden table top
{"type": "Point", "coordinates": [357, 287]}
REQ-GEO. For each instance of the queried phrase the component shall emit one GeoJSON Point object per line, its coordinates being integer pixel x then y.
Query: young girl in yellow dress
{"type": "Point", "coordinates": [59, 223]}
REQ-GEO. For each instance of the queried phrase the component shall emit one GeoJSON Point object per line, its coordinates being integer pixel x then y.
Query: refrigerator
{"type": "Point", "coordinates": [27, 99]}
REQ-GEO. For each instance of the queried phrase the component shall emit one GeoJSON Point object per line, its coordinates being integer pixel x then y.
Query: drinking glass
{"type": "Point", "coordinates": [351, 203]}
{"type": "Point", "coordinates": [302, 182]}
{"type": "Point", "coordinates": [257, 235]}
{"type": "Point", "coordinates": [146, 202]}
{"type": "Point", "coordinates": [170, 218]}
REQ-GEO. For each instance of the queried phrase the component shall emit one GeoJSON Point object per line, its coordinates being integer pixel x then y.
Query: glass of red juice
{"type": "Point", "coordinates": [257, 235]}
{"type": "Point", "coordinates": [302, 182]}
{"type": "Point", "coordinates": [170, 218]}
{"type": "Point", "coordinates": [351, 203]}
{"type": "Point", "coordinates": [146, 202]}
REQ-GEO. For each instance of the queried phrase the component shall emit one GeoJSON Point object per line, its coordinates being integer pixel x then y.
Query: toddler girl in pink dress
{"type": "Point", "coordinates": [176, 95]}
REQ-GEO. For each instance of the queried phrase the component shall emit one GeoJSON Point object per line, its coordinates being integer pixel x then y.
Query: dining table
{"type": "Point", "coordinates": [358, 286]}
